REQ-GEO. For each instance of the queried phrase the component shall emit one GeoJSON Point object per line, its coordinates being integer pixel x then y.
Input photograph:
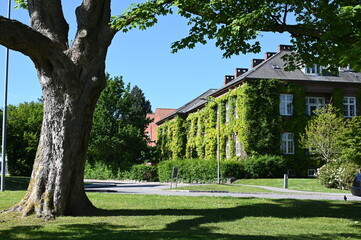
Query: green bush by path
{"type": "Point", "coordinates": [143, 172]}
{"type": "Point", "coordinates": [264, 166]}
{"type": "Point", "coordinates": [339, 175]}
{"type": "Point", "coordinates": [199, 170]}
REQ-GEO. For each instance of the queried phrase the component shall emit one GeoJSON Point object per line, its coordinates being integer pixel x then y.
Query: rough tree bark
{"type": "Point", "coordinates": [72, 78]}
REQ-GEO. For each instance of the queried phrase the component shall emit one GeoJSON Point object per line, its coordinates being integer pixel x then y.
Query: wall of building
{"type": "Point", "coordinates": [249, 117]}
{"type": "Point", "coordinates": [151, 130]}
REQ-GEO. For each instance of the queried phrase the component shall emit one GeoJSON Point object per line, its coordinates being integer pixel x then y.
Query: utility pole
{"type": "Point", "coordinates": [3, 160]}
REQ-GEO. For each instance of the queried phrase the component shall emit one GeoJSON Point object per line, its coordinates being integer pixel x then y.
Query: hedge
{"type": "Point", "coordinates": [199, 170]}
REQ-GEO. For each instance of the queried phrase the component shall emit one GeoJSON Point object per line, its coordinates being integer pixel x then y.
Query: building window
{"type": "Point", "coordinates": [288, 145]}
{"type": "Point", "coordinates": [349, 106]}
{"type": "Point", "coordinates": [286, 106]}
{"type": "Point", "coordinates": [291, 172]}
{"type": "Point", "coordinates": [314, 103]}
{"type": "Point", "coordinates": [227, 149]}
{"type": "Point", "coordinates": [313, 70]}
{"type": "Point", "coordinates": [227, 112]}
{"type": "Point", "coordinates": [238, 146]}
{"type": "Point", "coordinates": [311, 172]}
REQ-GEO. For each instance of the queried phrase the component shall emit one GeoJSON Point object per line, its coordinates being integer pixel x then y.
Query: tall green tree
{"type": "Point", "coordinates": [24, 124]}
{"type": "Point", "coordinates": [323, 32]}
{"type": "Point", "coordinates": [120, 118]}
{"type": "Point", "coordinates": [322, 134]}
{"type": "Point", "coordinates": [71, 73]}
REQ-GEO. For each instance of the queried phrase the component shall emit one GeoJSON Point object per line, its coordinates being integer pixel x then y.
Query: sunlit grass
{"type": "Point", "coordinates": [224, 187]}
{"type": "Point", "coordinates": [183, 217]}
{"type": "Point", "coordinates": [300, 184]}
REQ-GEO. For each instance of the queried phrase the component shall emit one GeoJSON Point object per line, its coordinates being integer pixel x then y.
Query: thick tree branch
{"type": "Point", "coordinates": [94, 31]}
{"type": "Point", "coordinates": [293, 29]}
{"type": "Point", "coordinates": [47, 17]}
{"type": "Point", "coordinates": [20, 37]}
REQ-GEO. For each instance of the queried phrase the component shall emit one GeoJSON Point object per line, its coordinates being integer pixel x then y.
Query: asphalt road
{"type": "Point", "coordinates": [156, 188]}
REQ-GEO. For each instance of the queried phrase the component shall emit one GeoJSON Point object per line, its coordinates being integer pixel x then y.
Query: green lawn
{"type": "Point", "coordinates": [134, 217]}
{"type": "Point", "coordinates": [223, 187]}
{"type": "Point", "coordinates": [301, 184]}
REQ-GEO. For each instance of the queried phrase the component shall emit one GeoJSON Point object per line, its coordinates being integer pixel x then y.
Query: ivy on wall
{"type": "Point", "coordinates": [172, 138]}
{"type": "Point", "coordinates": [337, 100]}
{"type": "Point", "coordinates": [253, 117]}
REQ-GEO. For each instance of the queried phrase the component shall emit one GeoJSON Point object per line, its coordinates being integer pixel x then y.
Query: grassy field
{"type": "Point", "coordinates": [300, 184]}
{"type": "Point", "coordinates": [222, 187]}
{"type": "Point", "coordinates": [179, 217]}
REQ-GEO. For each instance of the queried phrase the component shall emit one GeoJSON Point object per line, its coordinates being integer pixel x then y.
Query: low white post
{"type": "Point", "coordinates": [285, 180]}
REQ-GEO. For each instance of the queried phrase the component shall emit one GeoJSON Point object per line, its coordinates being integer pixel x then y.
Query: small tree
{"type": "Point", "coordinates": [350, 142]}
{"type": "Point", "coordinates": [322, 134]}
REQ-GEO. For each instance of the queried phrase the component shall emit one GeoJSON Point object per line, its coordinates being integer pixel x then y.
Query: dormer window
{"type": "Point", "coordinates": [313, 70]}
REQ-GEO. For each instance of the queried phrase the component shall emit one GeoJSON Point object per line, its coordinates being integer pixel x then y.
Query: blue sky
{"type": "Point", "coordinates": [143, 58]}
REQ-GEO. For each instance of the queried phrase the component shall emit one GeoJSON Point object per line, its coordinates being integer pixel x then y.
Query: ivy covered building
{"type": "Point", "coordinates": [259, 110]}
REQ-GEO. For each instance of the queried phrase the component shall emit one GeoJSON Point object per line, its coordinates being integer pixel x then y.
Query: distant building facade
{"type": "Point", "coordinates": [151, 131]}
{"type": "Point", "coordinates": [262, 110]}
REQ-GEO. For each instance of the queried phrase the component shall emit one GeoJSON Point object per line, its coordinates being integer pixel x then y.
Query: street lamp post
{"type": "Point", "coordinates": [3, 160]}
{"type": "Point", "coordinates": [218, 141]}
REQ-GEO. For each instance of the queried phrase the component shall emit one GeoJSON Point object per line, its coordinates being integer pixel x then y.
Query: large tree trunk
{"type": "Point", "coordinates": [72, 78]}
{"type": "Point", "coordinates": [56, 185]}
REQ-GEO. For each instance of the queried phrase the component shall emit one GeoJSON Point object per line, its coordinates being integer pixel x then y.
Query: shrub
{"type": "Point", "coordinates": [99, 170]}
{"type": "Point", "coordinates": [337, 175]}
{"type": "Point", "coordinates": [143, 172]}
{"type": "Point", "coordinates": [266, 166]}
{"type": "Point", "coordinates": [199, 170]}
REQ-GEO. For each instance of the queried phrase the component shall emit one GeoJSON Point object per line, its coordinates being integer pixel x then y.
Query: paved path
{"type": "Point", "coordinates": [156, 188]}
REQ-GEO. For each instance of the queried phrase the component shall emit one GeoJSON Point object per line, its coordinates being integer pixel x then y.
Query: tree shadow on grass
{"type": "Point", "coordinates": [195, 223]}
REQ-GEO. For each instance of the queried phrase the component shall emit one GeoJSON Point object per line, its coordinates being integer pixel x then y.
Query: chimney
{"type": "Point", "coordinates": [228, 78]}
{"type": "Point", "coordinates": [255, 62]}
{"type": "Point", "coordinates": [240, 71]}
{"type": "Point", "coordinates": [284, 48]}
{"type": "Point", "coordinates": [268, 55]}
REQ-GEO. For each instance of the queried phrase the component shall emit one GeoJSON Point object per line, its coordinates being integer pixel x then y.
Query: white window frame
{"type": "Point", "coordinates": [291, 172]}
{"type": "Point", "coordinates": [313, 70]}
{"type": "Point", "coordinates": [288, 143]}
{"type": "Point", "coordinates": [238, 146]}
{"type": "Point", "coordinates": [286, 104]}
{"type": "Point", "coordinates": [319, 102]}
{"type": "Point", "coordinates": [311, 172]}
{"type": "Point", "coordinates": [228, 153]}
{"type": "Point", "coordinates": [349, 107]}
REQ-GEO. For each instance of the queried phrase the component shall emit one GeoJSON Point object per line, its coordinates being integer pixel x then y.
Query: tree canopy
{"type": "Point", "coordinates": [120, 118]}
{"type": "Point", "coordinates": [322, 134]}
{"type": "Point", "coordinates": [24, 124]}
{"type": "Point", "coordinates": [323, 32]}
